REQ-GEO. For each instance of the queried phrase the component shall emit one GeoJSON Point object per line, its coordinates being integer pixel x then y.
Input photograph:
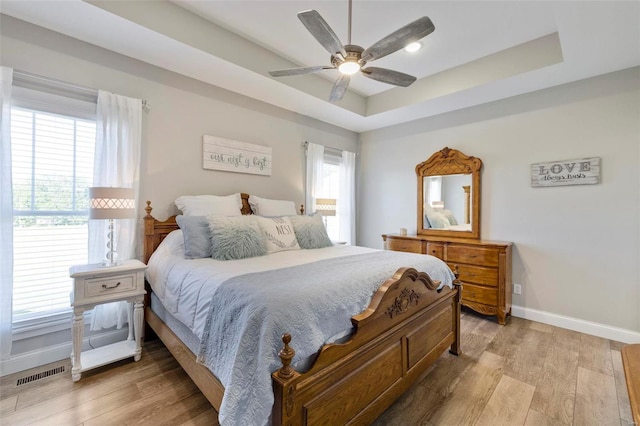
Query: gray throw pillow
{"type": "Point", "coordinates": [236, 237]}
{"type": "Point", "coordinates": [197, 237]}
{"type": "Point", "coordinates": [310, 232]}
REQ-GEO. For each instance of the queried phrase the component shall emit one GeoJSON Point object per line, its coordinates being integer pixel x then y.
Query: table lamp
{"type": "Point", "coordinates": [326, 207]}
{"type": "Point", "coordinates": [111, 204]}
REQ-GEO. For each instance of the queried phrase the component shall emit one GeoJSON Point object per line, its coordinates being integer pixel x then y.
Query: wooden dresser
{"type": "Point", "coordinates": [484, 266]}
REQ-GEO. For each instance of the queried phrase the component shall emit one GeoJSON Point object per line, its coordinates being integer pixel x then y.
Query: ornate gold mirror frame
{"type": "Point", "coordinates": [452, 162]}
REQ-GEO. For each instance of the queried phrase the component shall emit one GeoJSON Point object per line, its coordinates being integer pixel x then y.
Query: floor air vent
{"type": "Point", "coordinates": [44, 374]}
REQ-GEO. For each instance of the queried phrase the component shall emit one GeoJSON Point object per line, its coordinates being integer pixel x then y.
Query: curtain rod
{"type": "Point", "coordinates": [305, 144]}
{"type": "Point", "coordinates": [87, 93]}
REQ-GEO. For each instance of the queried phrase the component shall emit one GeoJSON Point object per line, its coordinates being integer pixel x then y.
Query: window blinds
{"type": "Point", "coordinates": [52, 140]}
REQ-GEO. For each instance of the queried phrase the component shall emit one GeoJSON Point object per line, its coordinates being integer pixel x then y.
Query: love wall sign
{"type": "Point", "coordinates": [585, 171]}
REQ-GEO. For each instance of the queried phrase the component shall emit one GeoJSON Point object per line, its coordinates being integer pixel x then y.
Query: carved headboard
{"type": "Point", "coordinates": [155, 231]}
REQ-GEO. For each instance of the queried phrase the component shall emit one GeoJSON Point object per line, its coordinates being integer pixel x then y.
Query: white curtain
{"type": "Point", "coordinates": [6, 215]}
{"type": "Point", "coordinates": [434, 190]}
{"type": "Point", "coordinates": [117, 164]}
{"type": "Point", "coordinates": [346, 205]}
{"type": "Point", "coordinates": [315, 160]}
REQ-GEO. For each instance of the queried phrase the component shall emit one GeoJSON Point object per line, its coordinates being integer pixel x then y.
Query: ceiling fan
{"type": "Point", "coordinates": [350, 58]}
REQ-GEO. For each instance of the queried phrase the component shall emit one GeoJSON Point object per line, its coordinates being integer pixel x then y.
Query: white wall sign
{"type": "Point", "coordinates": [569, 172]}
{"type": "Point", "coordinates": [233, 156]}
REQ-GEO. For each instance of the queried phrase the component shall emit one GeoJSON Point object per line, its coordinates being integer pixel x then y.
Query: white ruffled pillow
{"type": "Point", "coordinates": [267, 207]}
{"type": "Point", "coordinates": [205, 205]}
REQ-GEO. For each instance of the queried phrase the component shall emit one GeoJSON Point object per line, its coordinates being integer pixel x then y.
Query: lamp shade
{"type": "Point", "coordinates": [111, 203]}
{"type": "Point", "coordinates": [326, 206]}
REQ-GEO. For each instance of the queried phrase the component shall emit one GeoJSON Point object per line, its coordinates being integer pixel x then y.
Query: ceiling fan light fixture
{"type": "Point", "coordinates": [413, 47]}
{"type": "Point", "coordinates": [350, 58]}
{"type": "Point", "coordinates": [349, 67]}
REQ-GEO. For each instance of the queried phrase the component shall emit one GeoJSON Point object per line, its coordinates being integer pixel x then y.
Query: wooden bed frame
{"type": "Point", "coordinates": [406, 327]}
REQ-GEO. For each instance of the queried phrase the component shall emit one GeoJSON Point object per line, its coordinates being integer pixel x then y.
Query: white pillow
{"type": "Point", "coordinates": [278, 234]}
{"type": "Point", "coordinates": [205, 205]}
{"type": "Point", "coordinates": [267, 207]}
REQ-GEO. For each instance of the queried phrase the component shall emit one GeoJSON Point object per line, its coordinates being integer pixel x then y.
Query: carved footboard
{"type": "Point", "coordinates": [406, 327]}
{"type": "Point", "coordinates": [404, 330]}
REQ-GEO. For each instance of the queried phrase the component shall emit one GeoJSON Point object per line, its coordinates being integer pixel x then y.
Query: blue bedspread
{"type": "Point", "coordinates": [312, 302]}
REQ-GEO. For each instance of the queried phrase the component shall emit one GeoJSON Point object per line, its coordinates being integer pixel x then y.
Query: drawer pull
{"type": "Point", "coordinates": [106, 287]}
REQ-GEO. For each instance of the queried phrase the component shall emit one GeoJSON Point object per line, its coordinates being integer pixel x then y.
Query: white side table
{"type": "Point", "coordinates": [94, 285]}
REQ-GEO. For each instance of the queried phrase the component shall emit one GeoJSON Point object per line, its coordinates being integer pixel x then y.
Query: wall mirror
{"type": "Point", "coordinates": [449, 195]}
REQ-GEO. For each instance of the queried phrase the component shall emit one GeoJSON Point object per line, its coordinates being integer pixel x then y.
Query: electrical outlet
{"type": "Point", "coordinates": [517, 289]}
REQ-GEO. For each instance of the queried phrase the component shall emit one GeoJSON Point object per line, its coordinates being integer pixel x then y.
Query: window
{"type": "Point", "coordinates": [434, 190]}
{"type": "Point", "coordinates": [52, 161]}
{"type": "Point", "coordinates": [330, 188]}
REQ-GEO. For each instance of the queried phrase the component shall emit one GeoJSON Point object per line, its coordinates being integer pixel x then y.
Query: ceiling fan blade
{"type": "Point", "coordinates": [322, 32]}
{"type": "Point", "coordinates": [339, 88]}
{"type": "Point", "coordinates": [399, 39]}
{"type": "Point", "coordinates": [299, 71]}
{"type": "Point", "coordinates": [388, 76]}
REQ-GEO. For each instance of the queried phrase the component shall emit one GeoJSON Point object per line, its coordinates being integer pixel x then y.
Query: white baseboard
{"type": "Point", "coordinates": [575, 324]}
{"type": "Point", "coordinates": [59, 352]}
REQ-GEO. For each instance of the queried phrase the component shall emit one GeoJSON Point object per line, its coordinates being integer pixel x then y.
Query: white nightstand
{"type": "Point", "coordinates": [94, 285]}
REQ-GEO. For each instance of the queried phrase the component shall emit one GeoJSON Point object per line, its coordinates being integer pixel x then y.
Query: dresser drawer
{"type": "Point", "coordinates": [479, 294]}
{"type": "Point", "coordinates": [110, 285]}
{"type": "Point", "coordinates": [411, 246]}
{"type": "Point", "coordinates": [476, 274]}
{"type": "Point", "coordinates": [473, 255]}
{"type": "Point", "coordinates": [436, 249]}
{"type": "Point", "coordinates": [484, 267]}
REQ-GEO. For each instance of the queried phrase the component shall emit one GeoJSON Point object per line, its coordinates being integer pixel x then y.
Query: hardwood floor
{"type": "Point", "coordinates": [524, 373]}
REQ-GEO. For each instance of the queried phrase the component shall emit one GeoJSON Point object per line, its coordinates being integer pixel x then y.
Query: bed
{"type": "Point", "coordinates": [408, 323]}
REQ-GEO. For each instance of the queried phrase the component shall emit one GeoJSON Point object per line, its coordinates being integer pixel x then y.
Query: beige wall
{"type": "Point", "coordinates": [577, 248]}
{"type": "Point", "coordinates": [182, 110]}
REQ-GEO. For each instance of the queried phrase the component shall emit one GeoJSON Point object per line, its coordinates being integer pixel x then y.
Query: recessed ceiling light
{"type": "Point", "coordinates": [413, 47]}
